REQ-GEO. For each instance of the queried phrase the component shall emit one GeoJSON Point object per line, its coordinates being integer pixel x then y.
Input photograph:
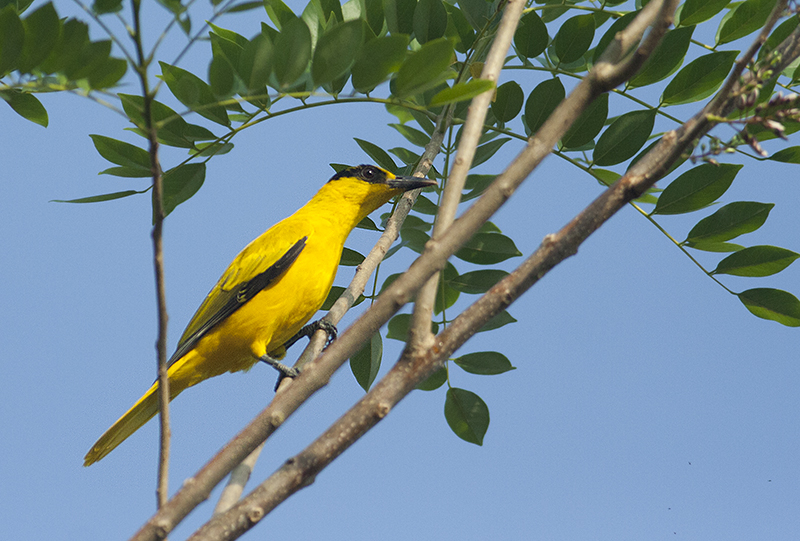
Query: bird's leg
{"type": "Point", "coordinates": [307, 331]}
{"type": "Point", "coordinates": [285, 371]}
{"type": "Point", "coordinates": [310, 329]}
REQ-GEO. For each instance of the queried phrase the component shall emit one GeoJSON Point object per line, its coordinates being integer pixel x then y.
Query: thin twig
{"type": "Point", "coordinates": [162, 489]}
{"type": "Point", "coordinates": [419, 335]}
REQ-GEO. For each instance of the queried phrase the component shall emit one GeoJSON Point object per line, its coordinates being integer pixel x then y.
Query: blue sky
{"type": "Point", "coordinates": [647, 402]}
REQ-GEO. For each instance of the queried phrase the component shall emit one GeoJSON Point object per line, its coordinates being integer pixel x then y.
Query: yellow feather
{"type": "Point", "coordinates": [277, 312]}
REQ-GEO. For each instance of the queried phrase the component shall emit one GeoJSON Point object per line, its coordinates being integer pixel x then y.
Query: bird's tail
{"type": "Point", "coordinates": [133, 419]}
{"type": "Point", "coordinates": [141, 412]}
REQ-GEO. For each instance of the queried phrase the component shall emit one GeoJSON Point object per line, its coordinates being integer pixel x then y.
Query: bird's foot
{"type": "Point", "coordinates": [311, 328]}
{"type": "Point", "coordinates": [285, 371]}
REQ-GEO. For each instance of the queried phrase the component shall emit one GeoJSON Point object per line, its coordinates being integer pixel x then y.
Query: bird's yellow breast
{"type": "Point", "coordinates": [279, 311]}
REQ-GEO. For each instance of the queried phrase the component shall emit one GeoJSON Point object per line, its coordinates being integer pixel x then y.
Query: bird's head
{"type": "Point", "coordinates": [371, 186]}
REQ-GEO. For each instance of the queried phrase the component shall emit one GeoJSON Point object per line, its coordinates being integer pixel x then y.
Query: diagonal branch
{"type": "Point", "coordinates": [300, 470]}
{"type": "Point", "coordinates": [241, 474]}
{"type": "Point", "coordinates": [420, 335]}
{"type": "Point", "coordinates": [195, 490]}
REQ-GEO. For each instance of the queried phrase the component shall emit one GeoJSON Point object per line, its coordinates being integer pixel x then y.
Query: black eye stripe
{"type": "Point", "coordinates": [367, 173]}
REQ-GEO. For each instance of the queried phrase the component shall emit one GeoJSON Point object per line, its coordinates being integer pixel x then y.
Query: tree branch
{"type": "Point", "coordinates": [420, 335]}
{"type": "Point", "coordinates": [300, 470]}
{"type": "Point", "coordinates": [151, 131]}
{"type": "Point", "coordinates": [241, 474]}
{"type": "Point", "coordinates": [289, 396]}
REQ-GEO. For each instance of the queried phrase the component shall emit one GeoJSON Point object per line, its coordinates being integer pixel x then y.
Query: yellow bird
{"type": "Point", "coordinates": [269, 291]}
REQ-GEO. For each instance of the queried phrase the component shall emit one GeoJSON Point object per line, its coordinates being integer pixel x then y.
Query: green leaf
{"type": "Point", "coordinates": [101, 7]}
{"type": "Point", "coordinates": [696, 11]}
{"type": "Point", "coordinates": [542, 101]}
{"type": "Point", "coordinates": [377, 59]}
{"type": "Point", "coordinates": [477, 12]}
{"type": "Point", "coordinates": [20, 6]}
{"type": "Point", "coordinates": [194, 93]}
{"type": "Point", "coordinates": [181, 183]}
{"type": "Point", "coordinates": [477, 282]}
{"type": "Point", "coordinates": [378, 155]}
{"type": "Point", "coordinates": [458, 29]}
{"type": "Point", "coordinates": [122, 153]}
{"type": "Point", "coordinates": [696, 188]}
{"type": "Point", "coordinates": [618, 26]}
{"type": "Point", "coordinates": [434, 381]}
{"type": "Point", "coordinates": [574, 38]}
{"type": "Point", "coordinates": [774, 304]}
{"type": "Point", "coordinates": [414, 239]}
{"type": "Point", "coordinates": [107, 73]}
{"type": "Point", "coordinates": [484, 363]}
{"type": "Point", "coordinates": [588, 125]}
{"type": "Point", "coordinates": [412, 135]}
{"type": "Point", "coordinates": [292, 52]}
{"type": "Point", "coordinates": [501, 319]}
{"type": "Point", "coordinates": [350, 258]}
{"type": "Point", "coordinates": [462, 92]}
{"type": "Point", "coordinates": [336, 51]}
{"type": "Point", "coordinates": [718, 247]}
{"type": "Point", "coordinates": [744, 19]}
{"type": "Point", "coordinates": [125, 172]}
{"type": "Point", "coordinates": [279, 13]}
{"type": "Point", "coordinates": [99, 198]}
{"type": "Point", "coordinates": [423, 205]}
{"type": "Point", "coordinates": [425, 68]}
{"type": "Point", "coordinates": [430, 20]}
{"type": "Point", "coordinates": [333, 296]}
{"type": "Point", "coordinates": [220, 76]}
{"type": "Point", "coordinates": [12, 39]}
{"type": "Point", "coordinates": [729, 222]}
{"type": "Point", "coordinates": [255, 62]}
{"type": "Point", "coordinates": [73, 38]}
{"type": "Point", "coordinates": [398, 327]}
{"type": "Point", "coordinates": [414, 222]}
{"type": "Point", "coordinates": [368, 224]}
{"type": "Point", "coordinates": [405, 155]}
{"type": "Point", "coordinates": [776, 38]}
{"type": "Point", "coordinates": [400, 15]}
{"type": "Point", "coordinates": [531, 37]}
{"type": "Point", "coordinates": [88, 59]}
{"type": "Point", "coordinates": [331, 7]}
{"type": "Point", "coordinates": [366, 362]}
{"type": "Point", "coordinates": [172, 129]}
{"type": "Point", "coordinates": [508, 101]}
{"type": "Point", "coordinates": [756, 261]}
{"type": "Point", "coordinates": [487, 150]}
{"type": "Point", "coordinates": [245, 6]}
{"type": "Point", "coordinates": [666, 59]}
{"type": "Point", "coordinates": [467, 415]}
{"type": "Point", "coordinates": [477, 184]}
{"type": "Point", "coordinates": [787, 155]}
{"type": "Point", "coordinates": [624, 137]}
{"type": "Point", "coordinates": [25, 105]}
{"type": "Point", "coordinates": [488, 249]}
{"type": "Point", "coordinates": [42, 29]}
{"type": "Point", "coordinates": [446, 296]}
{"type": "Point", "coordinates": [605, 177]}
{"type": "Point", "coordinates": [699, 79]}
{"type": "Point", "coordinates": [374, 15]}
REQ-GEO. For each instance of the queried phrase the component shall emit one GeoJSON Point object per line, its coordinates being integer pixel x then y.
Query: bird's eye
{"type": "Point", "coordinates": [369, 173]}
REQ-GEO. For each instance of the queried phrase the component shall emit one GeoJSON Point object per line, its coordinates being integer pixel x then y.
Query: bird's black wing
{"type": "Point", "coordinates": [239, 295]}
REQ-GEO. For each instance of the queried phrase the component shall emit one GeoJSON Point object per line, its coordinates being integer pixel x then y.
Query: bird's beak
{"type": "Point", "coordinates": [409, 183]}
